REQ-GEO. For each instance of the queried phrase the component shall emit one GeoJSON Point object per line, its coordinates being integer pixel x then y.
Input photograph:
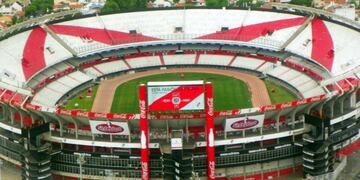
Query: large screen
{"type": "Point", "coordinates": [175, 95]}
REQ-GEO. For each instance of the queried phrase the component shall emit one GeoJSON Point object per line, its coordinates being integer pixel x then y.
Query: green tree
{"type": "Point", "coordinates": [244, 3]}
{"type": "Point", "coordinates": [211, 3]}
{"type": "Point", "coordinates": [302, 2]}
{"type": "Point", "coordinates": [121, 5]}
{"type": "Point", "coordinates": [18, 19]}
{"type": "Point", "coordinates": [217, 3]}
{"type": "Point", "coordinates": [259, 3]}
{"type": "Point", "coordinates": [39, 7]}
{"type": "Point", "coordinates": [30, 10]}
{"type": "Point", "coordinates": [223, 3]}
{"type": "Point", "coordinates": [110, 6]}
{"type": "Point", "coordinates": [140, 3]}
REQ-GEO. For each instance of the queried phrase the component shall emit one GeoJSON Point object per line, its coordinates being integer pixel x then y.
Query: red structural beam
{"type": "Point", "coordinates": [210, 130]}
{"type": "Point", "coordinates": [144, 133]}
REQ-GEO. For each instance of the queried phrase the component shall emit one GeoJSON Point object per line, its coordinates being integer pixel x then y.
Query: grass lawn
{"type": "Point", "coordinates": [229, 93]}
{"type": "Point", "coordinates": [84, 103]}
{"type": "Point", "coordinates": [278, 94]}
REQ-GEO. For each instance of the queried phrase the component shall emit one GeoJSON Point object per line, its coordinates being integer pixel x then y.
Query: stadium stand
{"type": "Point", "coordinates": [50, 95]}
{"type": "Point", "coordinates": [144, 61]}
{"type": "Point", "coordinates": [42, 64]}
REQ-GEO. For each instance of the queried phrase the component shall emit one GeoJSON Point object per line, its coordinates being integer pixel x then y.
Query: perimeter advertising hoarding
{"type": "Point", "coordinates": [243, 123]}
{"type": "Point", "coordinates": [175, 95]}
{"type": "Point", "coordinates": [107, 127]}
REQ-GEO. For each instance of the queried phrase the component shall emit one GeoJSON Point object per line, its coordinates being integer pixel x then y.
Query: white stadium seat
{"type": "Point", "coordinates": [247, 63]}
{"type": "Point", "coordinates": [144, 61]}
{"type": "Point", "coordinates": [111, 67]}
{"type": "Point", "coordinates": [49, 95]}
{"type": "Point", "coordinates": [179, 59]}
{"type": "Point", "coordinates": [222, 60]}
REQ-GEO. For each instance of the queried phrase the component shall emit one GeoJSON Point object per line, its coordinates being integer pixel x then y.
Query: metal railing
{"type": "Point", "coordinates": [92, 47]}
{"type": "Point", "coordinates": [131, 173]}
{"type": "Point", "coordinates": [250, 158]}
{"type": "Point", "coordinates": [106, 162]}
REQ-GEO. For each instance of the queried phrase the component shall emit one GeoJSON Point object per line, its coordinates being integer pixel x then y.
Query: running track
{"type": "Point", "coordinates": [106, 91]}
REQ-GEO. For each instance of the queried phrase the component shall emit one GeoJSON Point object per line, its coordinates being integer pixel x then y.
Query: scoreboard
{"type": "Point", "coordinates": [175, 95]}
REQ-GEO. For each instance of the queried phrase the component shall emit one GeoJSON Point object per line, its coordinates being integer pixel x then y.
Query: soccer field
{"type": "Point", "coordinates": [83, 101]}
{"type": "Point", "coordinates": [229, 93]}
{"type": "Point", "coordinates": [278, 94]}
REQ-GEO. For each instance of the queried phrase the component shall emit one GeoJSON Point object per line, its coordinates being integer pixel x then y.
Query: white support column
{"type": "Point", "coordinates": [61, 130]}
{"type": "Point", "coordinates": [76, 128]}
{"type": "Point", "coordinates": [4, 112]}
{"type": "Point", "coordinates": [60, 126]}
{"type": "Point", "coordinates": [167, 130]}
{"type": "Point", "coordinates": [341, 104]}
{"type": "Point", "coordinates": [331, 106]}
{"type": "Point", "coordinates": [12, 116]}
{"type": "Point", "coordinates": [293, 117]}
{"type": "Point", "coordinates": [187, 130]}
{"type": "Point", "coordinates": [21, 120]}
{"type": "Point", "coordinates": [277, 119]}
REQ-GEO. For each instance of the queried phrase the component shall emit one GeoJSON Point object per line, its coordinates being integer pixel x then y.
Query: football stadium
{"type": "Point", "coordinates": [225, 94]}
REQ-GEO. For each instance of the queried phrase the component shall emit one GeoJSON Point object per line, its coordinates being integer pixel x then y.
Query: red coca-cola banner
{"type": "Point", "coordinates": [186, 116]}
{"type": "Point", "coordinates": [144, 134]}
{"type": "Point", "coordinates": [31, 107]}
{"type": "Point", "coordinates": [210, 130]}
{"type": "Point", "coordinates": [292, 104]}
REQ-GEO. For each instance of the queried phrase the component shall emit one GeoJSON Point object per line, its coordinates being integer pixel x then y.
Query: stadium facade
{"type": "Point", "coordinates": [48, 59]}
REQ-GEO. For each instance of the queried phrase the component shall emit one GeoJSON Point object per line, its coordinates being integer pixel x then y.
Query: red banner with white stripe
{"type": "Point", "coordinates": [177, 96]}
{"type": "Point", "coordinates": [210, 130]}
{"type": "Point", "coordinates": [144, 135]}
{"type": "Point", "coordinates": [77, 113]}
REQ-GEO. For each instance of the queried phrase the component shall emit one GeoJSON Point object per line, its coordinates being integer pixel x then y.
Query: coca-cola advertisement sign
{"type": "Point", "coordinates": [109, 127]}
{"type": "Point", "coordinates": [211, 169]}
{"type": "Point", "coordinates": [144, 170]}
{"type": "Point", "coordinates": [210, 103]}
{"type": "Point", "coordinates": [243, 123]}
{"type": "Point", "coordinates": [142, 105]}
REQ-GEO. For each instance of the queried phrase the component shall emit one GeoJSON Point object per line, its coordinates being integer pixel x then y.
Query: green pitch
{"type": "Point", "coordinates": [83, 101]}
{"type": "Point", "coordinates": [229, 93]}
{"type": "Point", "coordinates": [278, 94]}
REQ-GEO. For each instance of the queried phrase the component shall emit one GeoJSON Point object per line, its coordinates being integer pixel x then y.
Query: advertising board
{"type": "Point", "coordinates": [175, 95]}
